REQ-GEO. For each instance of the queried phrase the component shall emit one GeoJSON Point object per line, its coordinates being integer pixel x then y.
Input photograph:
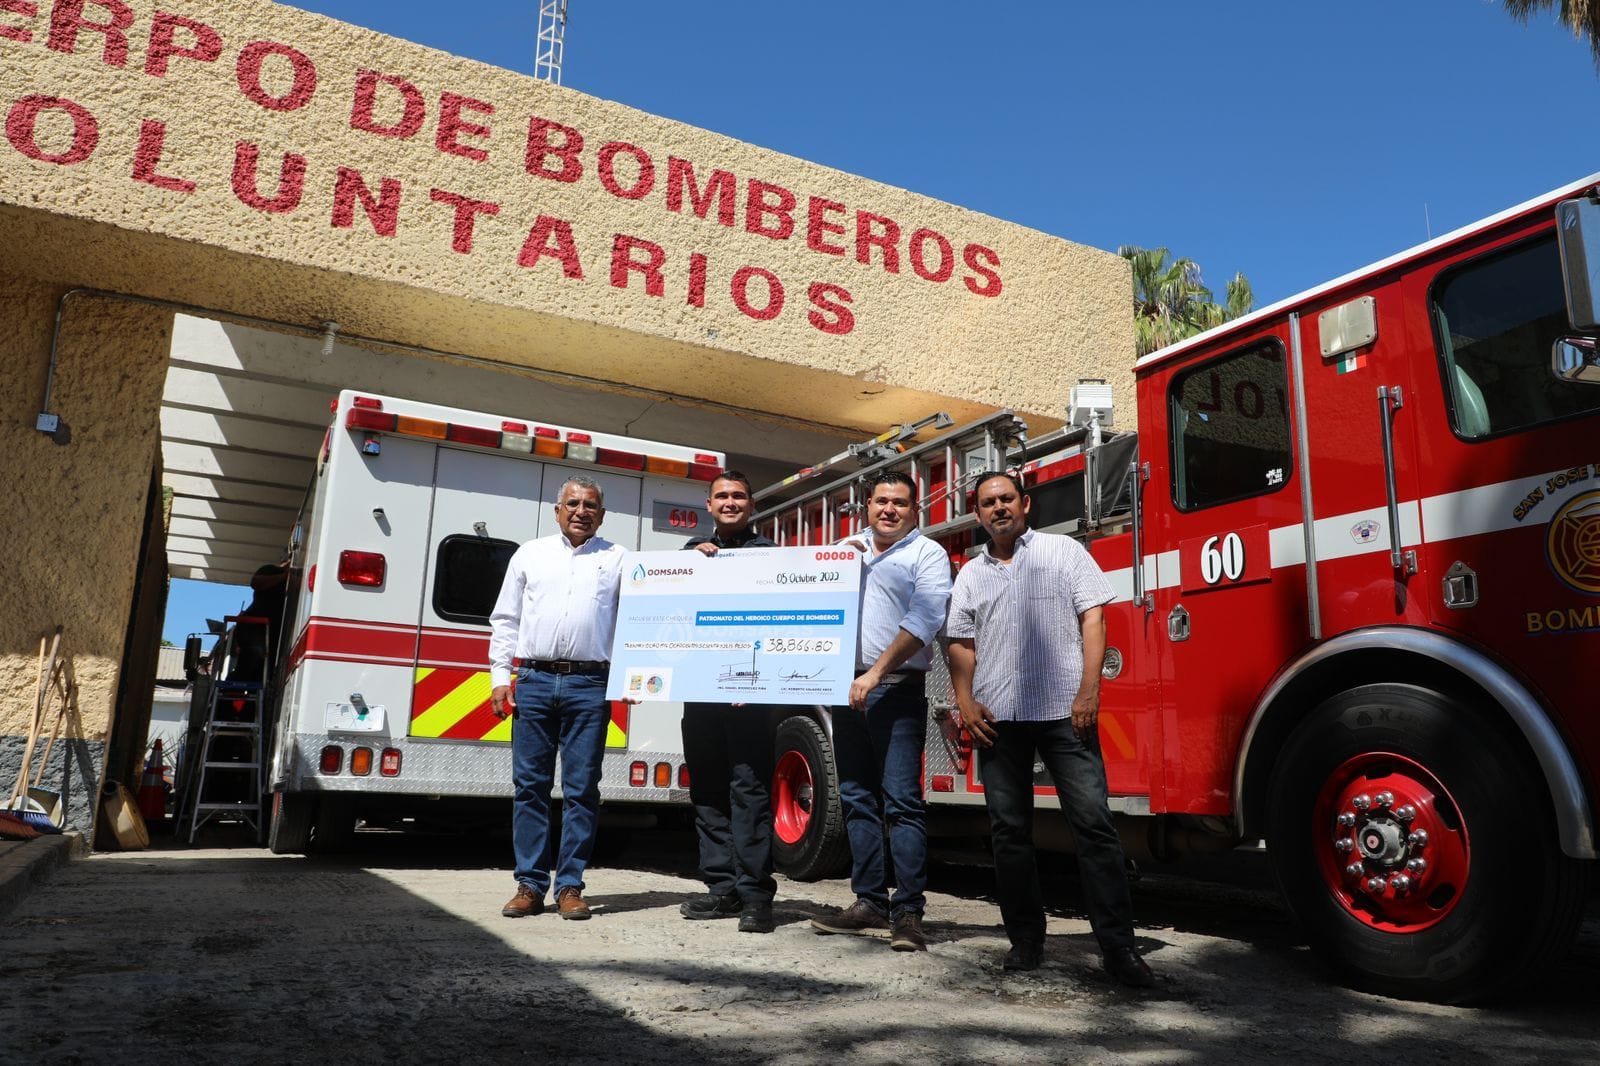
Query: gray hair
{"type": "Point", "coordinates": [582, 481]}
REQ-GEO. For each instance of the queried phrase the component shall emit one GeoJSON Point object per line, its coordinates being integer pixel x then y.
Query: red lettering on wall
{"type": "Point", "coordinates": [697, 280]}
{"type": "Point", "coordinates": [757, 206]}
{"type": "Point", "coordinates": [831, 315]}
{"type": "Point", "coordinates": [541, 149]}
{"type": "Point", "coordinates": [467, 212]}
{"type": "Point", "coordinates": [623, 262]}
{"type": "Point", "coordinates": [887, 237]}
{"type": "Point", "coordinates": [740, 287]}
{"type": "Point", "coordinates": [990, 283]}
{"type": "Point", "coordinates": [291, 180]}
{"type": "Point", "coordinates": [917, 247]}
{"type": "Point", "coordinates": [452, 125]}
{"type": "Point", "coordinates": [303, 76]}
{"type": "Point", "coordinates": [607, 167]}
{"type": "Point", "coordinates": [720, 185]}
{"type": "Point", "coordinates": [23, 117]}
{"type": "Point", "coordinates": [147, 157]}
{"type": "Point", "coordinates": [205, 43]}
{"type": "Point", "coordinates": [18, 7]}
{"type": "Point", "coordinates": [552, 237]}
{"type": "Point", "coordinates": [364, 110]}
{"type": "Point", "coordinates": [817, 226]}
{"type": "Point", "coordinates": [66, 19]}
{"type": "Point", "coordinates": [383, 211]}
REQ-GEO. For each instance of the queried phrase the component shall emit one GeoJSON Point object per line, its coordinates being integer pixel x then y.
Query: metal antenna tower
{"type": "Point", "coordinates": [551, 41]}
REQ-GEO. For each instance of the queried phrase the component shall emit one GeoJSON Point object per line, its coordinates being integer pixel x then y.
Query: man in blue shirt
{"type": "Point", "coordinates": [878, 739]}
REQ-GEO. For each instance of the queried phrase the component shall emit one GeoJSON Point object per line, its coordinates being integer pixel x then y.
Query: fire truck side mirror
{"type": "Point", "coordinates": [1575, 359]}
{"type": "Point", "coordinates": [1578, 234]}
{"type": "Point", "coordinates": [191, 658]}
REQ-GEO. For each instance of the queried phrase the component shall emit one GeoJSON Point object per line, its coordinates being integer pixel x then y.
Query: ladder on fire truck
{"type": "Point", "coordinates": [942, 468]}
{"type": "Point", "coordinates": [229, 747]}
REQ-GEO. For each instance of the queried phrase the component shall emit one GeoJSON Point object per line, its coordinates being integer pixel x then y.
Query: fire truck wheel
{"type": "Point", "coordinates": [808, 838]}
{"type": "Point", "coordinates": [1417, 848]}
{"type": "Point", "coordinates": [290, 829]}
{"type": "Point", "coordinates": [333, 829]}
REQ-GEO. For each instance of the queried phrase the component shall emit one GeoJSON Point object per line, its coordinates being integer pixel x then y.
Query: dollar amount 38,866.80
{"type": "Point", "coordinates": [799, 645]}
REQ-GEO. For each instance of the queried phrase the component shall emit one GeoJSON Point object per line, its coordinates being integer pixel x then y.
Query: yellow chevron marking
{"type": "Point", "coordinates": [454, 706]}
{"type": "Point", "coordinates": [501, 730]}
{"type": "Point", "coordinates": [1119, 739]}
{"type": "Point", "coordinates": [615, 737]}
{"type": "Point", "coordinates": [422, 672]}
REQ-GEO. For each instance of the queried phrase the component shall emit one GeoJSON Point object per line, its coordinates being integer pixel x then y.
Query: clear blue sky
{"type": "Point", "coordinates": [1294, 142]}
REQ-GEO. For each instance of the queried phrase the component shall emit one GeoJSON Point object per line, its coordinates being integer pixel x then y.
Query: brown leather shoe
{"type": "Point", "coordinates": [524, 904]}
{"type": "Point", "coordinates": [569, 901]}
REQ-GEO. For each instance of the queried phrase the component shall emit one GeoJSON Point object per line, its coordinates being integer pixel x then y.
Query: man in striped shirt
{"type": "Point", "coordinates": [1027, 638]}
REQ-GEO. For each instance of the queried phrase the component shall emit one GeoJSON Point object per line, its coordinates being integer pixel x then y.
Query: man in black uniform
{"type": "Point", "coordinates": [728, 749]}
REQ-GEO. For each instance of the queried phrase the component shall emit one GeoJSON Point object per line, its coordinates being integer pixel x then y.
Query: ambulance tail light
{"type": "Point", "coordinates": [637, 773]}
{"type": "Point", "coordinates": [668, 467]}
{"type": "Point", "coordinates": [486, 438]}
{"type": "Point", "coordinates": [421, 427]}
{"type": "Point", "coordinates": [389, 764]}
{"type": "Point", "coordinates": [705, 467]}
{"type": "Point", "coordinates": [663, 775]}
{"type": "Point", "coordinates": [366, 418]}
{"type": "Point", "coordinates": [943, 783]}
{"type": "Point", "coordinates": [683, 776]}
{"type": "Point", "coordinates": [311, 578]}
{"type": "Point", "coordinates": [332, 759]}
{"type": "Point", "coordinates": [361, 761]}
{"type": "Point", "coordinates": [622, 460]}
{"type": "Point", "coordinates": [362, 568]}
{"type": "Point", "coordinates": [370, 402]}
{"type": "Point", "coordinates": [548, 442]}
{"type": "Point", "coordinates": [580, 447]}
{"type": "Point", "coordinates": [514, 437]}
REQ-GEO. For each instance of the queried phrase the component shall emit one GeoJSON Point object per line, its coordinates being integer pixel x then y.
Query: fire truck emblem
{"type": "Point", "coordinates": [1573, 542]}
{"type": "Point", "coordinates": [1365, 532]}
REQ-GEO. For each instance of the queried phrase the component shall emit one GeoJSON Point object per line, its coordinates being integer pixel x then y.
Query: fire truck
{"type": "Point", "coordinates": [1355, 544]}
{"type": "Point", "coordinates": [397, 557]}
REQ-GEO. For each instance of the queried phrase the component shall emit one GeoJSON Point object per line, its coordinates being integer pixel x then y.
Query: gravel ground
{"type": "Point", "coordinates": [399, 954]}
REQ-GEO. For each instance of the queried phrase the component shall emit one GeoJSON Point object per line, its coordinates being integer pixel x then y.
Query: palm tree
{"type": "Point", "coordinates": [1171, 301]}
{"type": "Point", "coordinates": [1582, 17]}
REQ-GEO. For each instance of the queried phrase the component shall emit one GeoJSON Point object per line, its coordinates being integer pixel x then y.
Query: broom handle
{"type": "Point", "coordinates": [55, 731]}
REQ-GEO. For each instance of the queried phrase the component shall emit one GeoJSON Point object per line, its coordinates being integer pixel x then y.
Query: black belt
{"type": "Point", "coordinates": [565, 666]}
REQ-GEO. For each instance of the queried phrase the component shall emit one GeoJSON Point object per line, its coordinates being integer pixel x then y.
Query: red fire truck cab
{"type": "Point", "coordinates": [1366, 523]}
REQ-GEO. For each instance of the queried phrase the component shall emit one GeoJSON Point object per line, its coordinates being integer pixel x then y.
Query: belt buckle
{"type": "Point", "coordinates": [561, 666]}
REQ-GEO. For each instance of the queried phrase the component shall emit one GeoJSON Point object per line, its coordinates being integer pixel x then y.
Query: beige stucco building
{"type": "Point", "coordinates": [237, 161]}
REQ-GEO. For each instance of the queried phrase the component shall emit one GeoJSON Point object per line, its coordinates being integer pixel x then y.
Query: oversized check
{"type": "Point", "coordinates": [756, 625]}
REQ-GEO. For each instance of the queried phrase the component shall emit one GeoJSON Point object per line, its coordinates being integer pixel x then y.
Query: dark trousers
{"type": "Point", "coordinates": [879, 753]}
{"type": "Point", "coordinates": [729, 753]}
{"type": "Point", "coordinates": [1079, 775]}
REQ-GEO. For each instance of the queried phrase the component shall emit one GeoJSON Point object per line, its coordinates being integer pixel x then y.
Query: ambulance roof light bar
{"type": "Point", "coordinates": [367, 413]}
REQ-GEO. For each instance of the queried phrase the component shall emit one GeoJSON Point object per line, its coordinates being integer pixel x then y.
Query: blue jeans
{"type": "Point", "coordinates": [566, 712]}
{"type": "Point", "coordinates": [879, 754]}
{"type": "Point", "coordinates": [1079, 775]}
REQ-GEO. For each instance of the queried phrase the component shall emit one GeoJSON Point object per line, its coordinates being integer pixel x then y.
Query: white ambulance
{"type": "Point", "coordinates": [397, 557]}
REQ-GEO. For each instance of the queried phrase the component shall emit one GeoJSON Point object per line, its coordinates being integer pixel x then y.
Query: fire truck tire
{"type": "Point", "coordinates": [333, 830]}
{"type": "Point", "coordinates": [289, 831]}
{"type": "Point", "coordinates": [1417, 847]}
{"type": "Point", "coordinates": [808, 836]}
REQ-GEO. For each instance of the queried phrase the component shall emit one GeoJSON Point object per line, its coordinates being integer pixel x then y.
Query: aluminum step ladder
{"type": "Point", "coordinates": [230, 744]}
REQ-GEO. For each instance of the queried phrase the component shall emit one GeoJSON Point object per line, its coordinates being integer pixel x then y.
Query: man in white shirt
{"type": "Point", "coordinates": [553, 624]}
{"type": "Point", "coordinates": [878, 739]}
{"type": "Point", "coordinates": [1027, 638]}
